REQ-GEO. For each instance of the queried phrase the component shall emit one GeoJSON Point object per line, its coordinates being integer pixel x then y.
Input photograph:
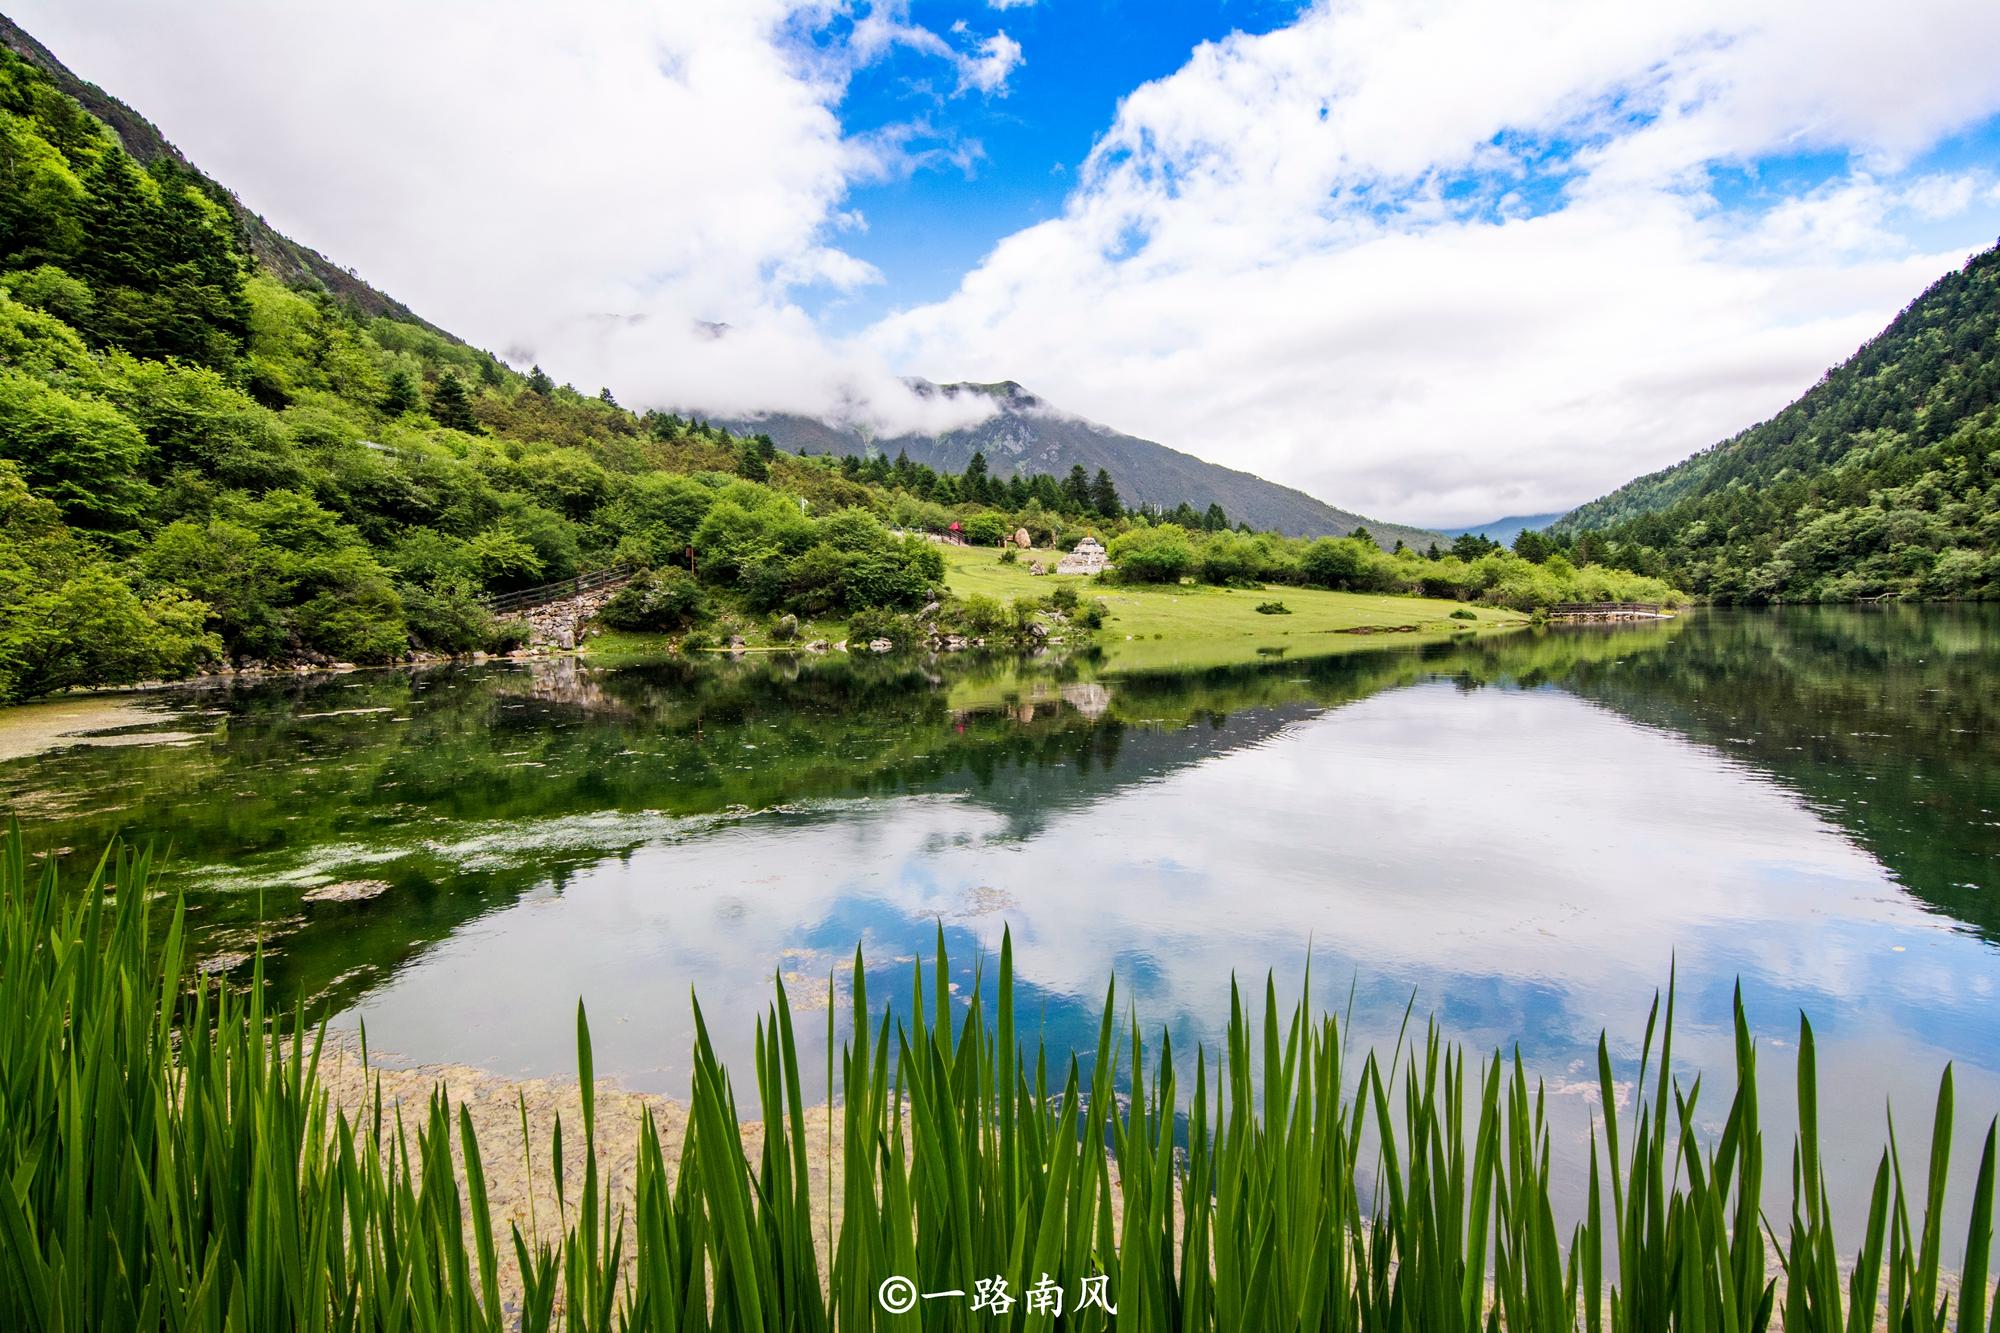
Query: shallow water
{"type": "Point", "coordinates": [1525, 834]}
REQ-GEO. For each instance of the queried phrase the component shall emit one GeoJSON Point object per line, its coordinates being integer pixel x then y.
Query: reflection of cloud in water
{"type": "Point", "coordinates": [1530, 865]}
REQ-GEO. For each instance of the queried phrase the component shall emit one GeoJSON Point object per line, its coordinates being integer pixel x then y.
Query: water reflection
{"type": "Point", "coordinates": [1526, 833]}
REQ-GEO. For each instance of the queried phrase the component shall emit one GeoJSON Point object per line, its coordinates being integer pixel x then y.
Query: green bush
{"type": "Point", "coordinates": [1159, 554]}
{"type": "Point", "coordinates": [508, 635]}
{"type": "Point", "coordinates": [446, 619]}
{"type": "Point", "coordinates": [985, 529]}
{"type": "Point", "coordinates": [661, 601]}
{"type": "Point", "coordinates": [876, 622]}
{"type": "Point", "coordinates": [1009, 556]}
{"type": "Point", "coordinates": [981, 614]}
{"type": "Point", "coordinates": [1273, 609]}
{"type": "Point", "coordinates": [1463, 614]}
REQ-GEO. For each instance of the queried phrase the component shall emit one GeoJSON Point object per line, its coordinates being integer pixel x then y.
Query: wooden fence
{"type": "Point", "coordinates": [1604, 609]}
{"type": "Point", "coordinates": [523, 598]}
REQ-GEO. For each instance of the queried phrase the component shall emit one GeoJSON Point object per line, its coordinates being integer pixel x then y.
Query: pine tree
{"type": "Point", "coordinates": [451, 405]}
{"type": "Point", "coordinates": [750, 464]}
{"type": "Point", "coordinates": [1076, 490]}
{"type": "Point", "coordinates": [1104, 496]}
{"type": "Point", "coordinates": [604, 396]}
{"type": "Point", "coordinates": [539, 382]}
{"type": "Point", "coordinates": [974, 484]}
{"type": "Point", "coordinates": [1214, 520]}
{"type": "Point", "coordinates": [402, 395]}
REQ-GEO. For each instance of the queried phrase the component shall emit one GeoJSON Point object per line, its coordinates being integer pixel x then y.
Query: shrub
{"type": "Point", "coordinates": [1160, 554]}
{"type": "Point", "coordinates": [666, 599]}
{"type": "Point", "coordinates": [981, 614]}
{"type": "Point", "coordinates": [985, 529]}
{"type": "Point", "coordinates": [1273, 609]}
{"type": "Point", "coordinates": [874, 622]}
{"type": "Point", "coordinates": [784, 629]}
{"type": "Point", "coordinates": [446, 618]}
{"type": "Point", "coordinates": [1010, 556]}
{"type": "Point", "coordinates": [1463, 614]}
{"type": "Point", "coordinates": [1092, 615]}
{"type": "Point", "coordinates": [508, 635]}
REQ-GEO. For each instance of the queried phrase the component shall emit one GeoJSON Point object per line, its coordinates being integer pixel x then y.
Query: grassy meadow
{"type": "Point", "coordinates": [1198, 625]}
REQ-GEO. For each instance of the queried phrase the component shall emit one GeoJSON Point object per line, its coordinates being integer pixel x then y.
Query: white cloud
{"type": "Point", "coordinates": [982, 68]}
{"type": "Point", "coordinates": [586, 186]}
{"type": "Point", "coordinates": [1431, 259]}
{"type": "Point", "coordinates": [1444, 260]}
{"type": "Point", "coordinates": [998, 56]}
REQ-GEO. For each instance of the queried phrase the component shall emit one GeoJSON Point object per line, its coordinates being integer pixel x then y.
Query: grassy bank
{"type": "Point", "coordinates": [1198, 625]}
{"type": "Point", "coordinates": [171, 1161]}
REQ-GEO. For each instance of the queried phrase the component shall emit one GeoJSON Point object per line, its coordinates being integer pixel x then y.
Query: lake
{"type": "Point", "coordinates": [1524, 835]}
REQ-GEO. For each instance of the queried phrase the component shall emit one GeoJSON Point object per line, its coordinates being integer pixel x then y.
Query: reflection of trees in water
{"type": "Point", "coordinates": [1886, 720]}
{"type": "Point", "coordinates": [474, 786]}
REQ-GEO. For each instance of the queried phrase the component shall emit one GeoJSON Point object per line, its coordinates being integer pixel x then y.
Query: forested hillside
{"type": "Point", "coordinates": [202, 463]}
{"type": "Point", "coordinates": [1883, 479]}
{"type": "Point", "coordinates": [198, 462]}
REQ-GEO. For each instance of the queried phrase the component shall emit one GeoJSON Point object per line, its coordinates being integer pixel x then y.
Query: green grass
{"type": "Point", "coordinates": [168, 1161]}
{"type": "Point", "coordinates": [1195, 625]}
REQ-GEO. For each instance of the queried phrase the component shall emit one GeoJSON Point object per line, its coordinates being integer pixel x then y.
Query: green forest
{"type": "Point", "coordinates": [1883, 480]}
{"type": "Point", "coordinates": [202, 465]}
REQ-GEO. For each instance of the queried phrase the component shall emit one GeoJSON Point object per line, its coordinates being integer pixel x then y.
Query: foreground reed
{"type": "Point", "coordinates": [168, 1161]}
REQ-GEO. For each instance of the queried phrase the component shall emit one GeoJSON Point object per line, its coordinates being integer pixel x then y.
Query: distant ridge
{"type": "Point", "coordinates": [1026, 434]}
{"type": "Point", "coordinates": [1505, 530]}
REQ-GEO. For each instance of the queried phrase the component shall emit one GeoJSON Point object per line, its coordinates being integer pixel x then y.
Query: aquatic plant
{"type": "Point", "coordinates": [169, 1160]}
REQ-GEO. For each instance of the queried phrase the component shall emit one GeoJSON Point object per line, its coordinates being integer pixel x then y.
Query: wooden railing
{"type": "Point", "coordinates": [1604, 608]}
{"type": "Point", "coordinates": [523, 598]}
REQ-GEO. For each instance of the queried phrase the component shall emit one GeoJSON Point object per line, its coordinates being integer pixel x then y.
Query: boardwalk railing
{"type": "Point", "coordinates": [523, 598]}
{"type": "Point", "coordinates": [1604, 608]}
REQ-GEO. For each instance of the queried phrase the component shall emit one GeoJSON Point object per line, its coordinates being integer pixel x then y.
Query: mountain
{"type": "Point", "coordinates": [286, 259]}
{"type": "Point", "coordinates": [218, 447]}
{"type": "Point", "coordinates": [1027, 435]}
{"type": "Point", "coordinates": [1881, 480]}
{"type": "Point", "coordinates": [1505, 530]}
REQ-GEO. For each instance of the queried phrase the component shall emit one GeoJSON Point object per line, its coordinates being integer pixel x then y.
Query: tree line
{"type": "Point", "coordinates": [1883, 480]}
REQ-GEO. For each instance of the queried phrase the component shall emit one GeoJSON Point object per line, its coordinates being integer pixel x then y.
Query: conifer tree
{"type": "Point", "coordinates": [1076, 490]}
{"type": "Point", "coordinates": [1104, 496]}
{"type": "Point", "coordinates": [402, 395]}
{"type": "Point", "coordinates": [451, 405]}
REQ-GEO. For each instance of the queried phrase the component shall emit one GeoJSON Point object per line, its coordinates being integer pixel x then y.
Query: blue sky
{"type": "Point", "coordinates": [1432, 260]}
{"type": "Point", "coordinates": [927, 228]}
